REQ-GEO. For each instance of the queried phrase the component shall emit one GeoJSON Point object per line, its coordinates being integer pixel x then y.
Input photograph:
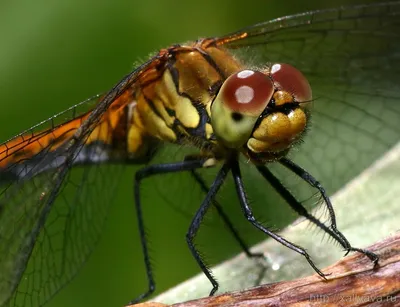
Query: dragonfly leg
{"type": "Point", "coordinates": [299, 208]}
{"type": "Point", "coordinates": [307, 177]}
{"type": "Point", "coordinates": [195, 224]}
{"type": "Point", "coordinates": [139, 176]}
{"type": "Point", "coordinates": [225, 219]}
{"type": "Point", "coordinates": [237, 177]}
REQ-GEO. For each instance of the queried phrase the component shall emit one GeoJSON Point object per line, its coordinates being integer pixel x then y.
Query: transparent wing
{"type": "Point", "coordinates": [351, 57]}
{"type": "Point", "coordinates": [59, 238]}
{"type": "Point", "coordinates": [50, 214]}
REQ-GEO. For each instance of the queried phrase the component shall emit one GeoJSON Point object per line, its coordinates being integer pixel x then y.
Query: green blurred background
{"type": "Point", "coordinates": [54, 54]}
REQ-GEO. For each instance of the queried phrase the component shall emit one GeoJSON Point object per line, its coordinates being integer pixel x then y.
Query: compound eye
{"type": "Point", "coordinates": [291, 80]}
{"type": "Point", "coordinates": [241, 100]}
{"type": "Point", "coordinates": [247, 92]}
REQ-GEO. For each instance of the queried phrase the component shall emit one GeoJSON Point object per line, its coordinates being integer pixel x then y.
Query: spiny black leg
{"type": "Point", "coordinates": [225, 218]}
{"type": "Point", "coordinates": [237, 177]}
{"type": "Point", "coordinates": [307, 177]}
{"type": "Point", "coordinates": [298, 207]}
{"type": "Point", "coordinates": [139, 176]}
{"type": "Point", "coordinates": [195, 224]}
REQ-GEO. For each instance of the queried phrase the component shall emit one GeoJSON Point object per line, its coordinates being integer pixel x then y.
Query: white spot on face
{"type": "Point", "coordinates": [275, 68]}
{"type": "Point", "coordinates": [244, 94]}
{"type": "Point", "coordinates": [245, 74]}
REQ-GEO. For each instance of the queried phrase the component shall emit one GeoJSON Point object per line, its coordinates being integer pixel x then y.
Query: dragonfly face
{"type": "Point", "coordinates": [262, 111]}
{"type": "Point", "coordinates": [247, 93]}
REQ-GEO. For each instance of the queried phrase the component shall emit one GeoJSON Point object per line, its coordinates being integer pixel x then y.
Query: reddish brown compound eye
{"type": "Point", "coordinates": [290, 79]}
{"type": "Point", "coordinates": [240, 102]}
{"type": "Point", "coordinates": [247, 92]}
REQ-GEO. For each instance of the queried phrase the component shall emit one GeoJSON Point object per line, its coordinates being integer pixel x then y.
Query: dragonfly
{"type": "Point", "coordinates": [304, 92]}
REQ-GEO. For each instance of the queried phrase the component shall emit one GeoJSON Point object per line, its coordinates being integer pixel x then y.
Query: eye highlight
{"type": "Point", "coordinates": [240, 101]}
{"type": "Point", "coordinates": [290, 80]}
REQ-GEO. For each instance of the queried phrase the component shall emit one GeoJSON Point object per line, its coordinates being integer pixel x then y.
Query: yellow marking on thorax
{"type": "Point", "coordinates": [173, 107]}
{"type": "Point", "coordinates": [185, 112]}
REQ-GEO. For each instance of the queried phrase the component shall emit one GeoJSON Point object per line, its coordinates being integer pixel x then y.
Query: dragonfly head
{"type": "Point", "coordinates": [262, 113]}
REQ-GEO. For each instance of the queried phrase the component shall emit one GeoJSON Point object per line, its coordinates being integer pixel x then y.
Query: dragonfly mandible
{"type": "Point", "coordinates": [213, 96]}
